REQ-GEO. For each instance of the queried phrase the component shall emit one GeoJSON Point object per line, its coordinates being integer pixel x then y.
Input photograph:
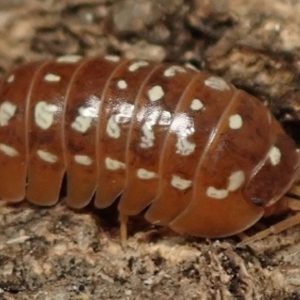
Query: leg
{"type": "Point", "coordinates": [289, 222]}
{"type": "Point", "coordinates": [123, 228]}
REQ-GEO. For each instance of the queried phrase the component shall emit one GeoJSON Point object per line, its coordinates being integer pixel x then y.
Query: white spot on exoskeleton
{"type": "Point", "coordinates": [11, 78]}
{"type": "Point", "coordinates": [122, 115]}
{"type": "Point", "coordinates": [83, 160]}
{"type": "Point", "coordinates": [145, 174]}
{"type": "Point", "coordinates": [196, 105]}
{"type": "Point", "coordinates": [113, 164]}
{"type": "Point", "coordinates": [184, 147]}
{"type": "Point", "coordinates": [151, 118]}
{"type": "Point", "coordinates": [113, 129]}
{"type": "Point", "coordinates": [47, 156]}
{"type": "Point", "coordinates": [217, 83]}
{"type": "Point", "coordinates": [122, 84]}
{"type": "Point", "coordinates": [69, 59]}
{"type": "Point", "coordinates": [183, 127]}
{"type": "Point", "coordinates": [180, 183]}
{"type": "Point", "coordinates": [8, 150]}
{"type": "Point", "coordinates": [156, 93]}
{"type": "Point", "coordinates": [137, 65]}
{"type": "Point", "coordinates": [234, 182]}
{"type": "Point", "coordinates": [171, 71]}
{"type": "Point", "coordinates": [44, 114]}
{"type": "Point", "coordinates": [112, 58]}
{"type": "Point", "coordinates": [86, 114]}
{"type": "Point", "coordinates": [147, 140]}
{"type": "Point", "coordinates": [274, 155]}
{"type": "Point", "coordinates": [52, 77]}
{"type": "Point", "coordinates": [235, 121]}
{"type": "Point", "coordinates": [165, 118]}
{"type": "Point", "coordinates": [212, 192]}
{"type": "Point", "coordinates": [90, 111]}
{"type": "Point", "coordinates": [7, 111]}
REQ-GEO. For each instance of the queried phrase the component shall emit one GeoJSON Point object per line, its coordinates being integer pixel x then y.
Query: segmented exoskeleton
{"type": "Point", "coordinates": [207, 158]}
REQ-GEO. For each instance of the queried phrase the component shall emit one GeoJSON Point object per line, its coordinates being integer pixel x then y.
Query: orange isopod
{"type": "Point", "coordinates": [205, 158]}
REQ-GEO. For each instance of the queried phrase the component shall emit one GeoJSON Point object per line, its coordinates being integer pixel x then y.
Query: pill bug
{"type": "Point", "coordinates": [205, 158]}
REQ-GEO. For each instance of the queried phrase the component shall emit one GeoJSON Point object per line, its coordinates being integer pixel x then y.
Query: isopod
{"type": "Point", "coordinates": [205, 158]}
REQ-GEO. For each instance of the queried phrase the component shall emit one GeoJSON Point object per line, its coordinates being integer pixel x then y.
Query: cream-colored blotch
{"type": "Point", "coordinates": [122, 84]}
{"type": "Point", "coordinates": [8, 150]}
{"type": "Point", "coordinates": [180, 183]}
{"type": "Point", "coordinates": [156, 93]}
{"type": "Point", "coordinates": [7, 111]}
{"type": "Point", "coordinates": [83, 160]}
{"type": "Point", "coordinates": [47, 156]}
{"type": "Point", "coordinates": [274, 155]}
{"type": "Point", "coordinates": [196, 105]}
{"type": "Point", "coordinates": [235, 180]}
{"type": "Point", "coordinates": [184, 147]}
{"type": "Point", "coordinates": [235, 121]}
{"type": "Point", "coordinates": [173, 70]}
{"type": "Point", "coordinates": [84, 119]}
{"type": "Point", "coordinates": [11, 78]}
{"type": "Point", "coordinates": [145, 174]}
{"type": "Point", "coordinates": [113, 164]}
{"type": "Point", "coordinates": [215, 193]}
{"type": "Point", "coordinates": [50, 77]}
{"type": "Point", "coordinates": [137, 65]}
{"type": "Point", "coordinates": [44, 114]}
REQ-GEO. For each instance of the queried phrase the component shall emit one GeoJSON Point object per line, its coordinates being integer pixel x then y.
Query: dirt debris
{"type": "Point", "coordinates": [50, 253]}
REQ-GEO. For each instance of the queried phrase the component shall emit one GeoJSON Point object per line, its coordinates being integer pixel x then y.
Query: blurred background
{"type": "Point", "coordinates": [254, 44]}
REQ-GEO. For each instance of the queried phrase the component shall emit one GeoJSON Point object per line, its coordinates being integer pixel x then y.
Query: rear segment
{"type": "Point", "coordinates": [226, 199]}
{"type": "Point", "coordinates": [277, 170]}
